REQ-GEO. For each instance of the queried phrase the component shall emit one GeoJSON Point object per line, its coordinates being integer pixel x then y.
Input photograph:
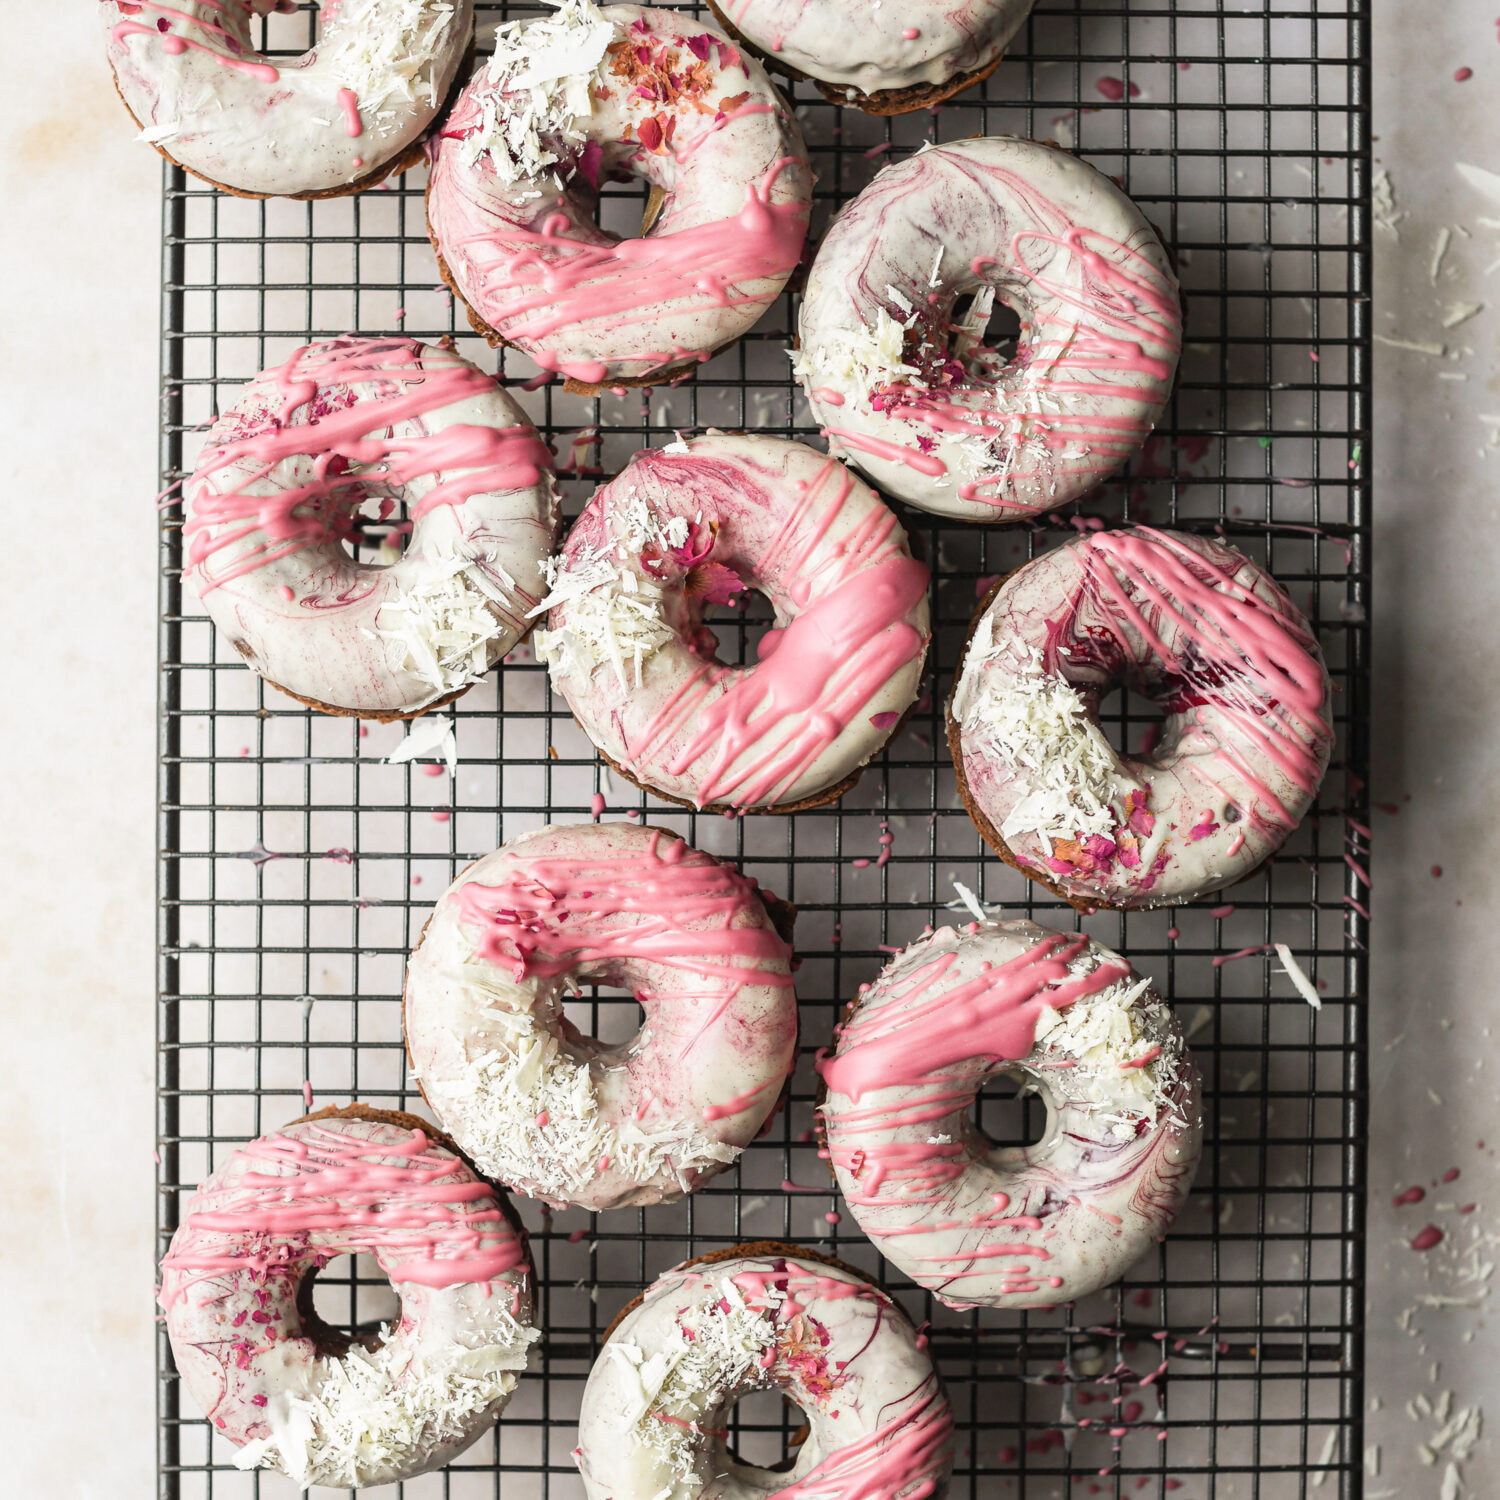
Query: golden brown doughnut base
{"type": "Point", "coordinates": [882, 101]}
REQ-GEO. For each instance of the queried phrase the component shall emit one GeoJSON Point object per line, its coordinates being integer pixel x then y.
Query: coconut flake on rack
{"type": "Point", "coordinates": [384, 50]}
{"type": "Point", "coordinates": [1032, 721]}
{"type": "Point", "coordinates": [546, 70]}
{"type": "Point", "coordinates": [445, 625]}
{"type": "Point", "coordinates": [432, 735]}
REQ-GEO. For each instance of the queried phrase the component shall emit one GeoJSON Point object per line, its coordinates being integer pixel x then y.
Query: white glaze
{"type": "Point", "coordinates": [1013, 1227]}
{"type": "Point", "coordinates": [561, 109]}
{"type": "Point", "coordinates": [1241, 752]}
{"type": "Point", "coordinates": [625, 641]}
{"type": "Point", "coordinates": [868, 49]}
{"type": "Point", "coordinates": [879, 1424]}
{"type": "Point", "coordinates": [283, 129]}
{"type": "Point", "coordinates": [957, 430]}
{"type": "Point", "coordinates": [442, 1374]}
{"type": "Point", "coordinates": [350, 636]}
{"type": "Point", "coordinates": [561, 1116]}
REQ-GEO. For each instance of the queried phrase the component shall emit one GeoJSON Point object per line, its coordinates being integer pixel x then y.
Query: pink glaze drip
{"type": "Point", "coordinates": [738, 1105]}
{"type": "Point", "coordinates": [174, 44]}
{"type": "Point", "coordinates": [904, 1456]}
{"type": "Point", "coordinates": [349, 103]}
{"type": "Point", "coordinates": [431, 1222]}
{"type": "Point", "coordinates": [322, 417]}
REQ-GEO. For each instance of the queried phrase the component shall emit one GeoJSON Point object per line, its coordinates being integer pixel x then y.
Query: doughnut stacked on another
{"type": "Point", "coordinates": [585, 96]}
{"type": "Point", "coordinates": [291, 1392]}
{"type": "Point", "coordinates": [1241, 753]}
{"type": "Point", "coordinates": [345, 115]}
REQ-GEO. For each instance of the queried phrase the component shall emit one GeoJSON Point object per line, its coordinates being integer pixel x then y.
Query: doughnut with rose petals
{"type": "Point", "coordinates": [690, 525]}
{"type": "Point", "coordinates": [290, 1391]}
{"type": "Point", "coordinates": [559, 1115]}
{"type": "Point", "coordinates": [885, 59]}
{"type": "Point", "coordinates": [343, 116]}
{"type": "Point", "coordinates": [1216, 642]}
{"type": "Point", "coordinates": [764, 1317]}
{"type": "Point", "coordinates": [905, 385]}
{"type": "Point", "coordinates": [585, 96]}
{"type": "Point", "coordinates": [1016, 1226]}
{"type": "Point", "coordinates": [274, 502]}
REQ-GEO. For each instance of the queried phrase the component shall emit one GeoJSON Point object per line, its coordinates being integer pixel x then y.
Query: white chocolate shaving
{"type": "Point", "coordinates": [858, 363]}
{"type": "Point", "coordinates": [444, 626]}
{"type": "Point", "coordinates": [384, 51]}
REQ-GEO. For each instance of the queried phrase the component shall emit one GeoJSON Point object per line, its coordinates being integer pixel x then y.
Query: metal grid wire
{"type": "Point", "coordinates": [297, 866]}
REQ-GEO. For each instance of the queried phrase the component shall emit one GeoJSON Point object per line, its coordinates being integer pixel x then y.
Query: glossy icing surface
{"type": "Point", "coordinates": [1216, 642]}
{"type": "Point", "coordinates": [919, 401]}
{"type": "Point", "coordinates": [693, 524]}
{"type": "Point", "coordinates": [885, 47]}
{"type": "Point", "coordinates": [652, 1420]}
{"type": "Point", "coordinates": [562, 1116]}
{"type": "Point", "coordinates": [588, 96]}
{"type": "Point", "coordinates": [274, 499]}
{"type": "Point", "coordinates": [313, 124]}
{"type": "Point", "coordinates": [1011, 1227]}
{"type": "Point", "coordinates": [284, 1206]}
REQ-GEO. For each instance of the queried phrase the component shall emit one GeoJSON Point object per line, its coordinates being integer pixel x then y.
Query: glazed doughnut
{"type": "Point", "coordinates": [1216, 642]}
{"type": "Point", "coordinates": [561, 1116]}
{"type": "Point", "coordinates": [910, 393]}
{"type": "Point", "coordinates": [690, 525]}
{"type": "Point", "coordinates": [343, 116]}
{"type": "Point", "coordinates": [585, 96]}
{"type": "Point", "coordinates": [1015, 1227]}
{"type": "Point", "coordinates": [293, 1393]}
{"type": "Point", "coordinates": [887, 60]}
{"type": "Point", "coordinates": [275, 498]}
{"type": "Point", "coordinates": [764, 1316]}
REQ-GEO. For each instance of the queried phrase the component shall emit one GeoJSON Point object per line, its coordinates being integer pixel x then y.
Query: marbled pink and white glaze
{"type": "Point", "coordinates": [279, 1210]}
{"type": "Point", "coordinates": [588, 96]}
{"type": "Point", "coordinates": [1215, 641]}
{"type": "Point", "coordinates": [867, 50]}
{"type": "Point", "coordinates": [559, 1115]}
{"type": "Point", "coordinates": [652, 1423]}
{"type": "Point", "coordinates": [275, 497]}
{"type": "Point", "coordinates": [692, 524]}
{"type": "Point", "coordinates": [930, 412]}
{"type": "Point", "coordinates": [1011, 1227]}
{"type": "Point", "coordinates": [307, 126]}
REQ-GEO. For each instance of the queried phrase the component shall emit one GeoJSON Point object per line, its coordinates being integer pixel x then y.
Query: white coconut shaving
{"type": "Point", "coordinates": [444, 626]}
{"type": "Point", "coordinates": [374, 1414]}
{"type": "Point", "coordinates": [546, 70]}
{"type": "Point", "coordinates": [530, 1102]}
{"type": "Point", "coordinates": [856, 361]}
{"type": "Point", "coordinates": [716, 1351]}
{"type": "Point", "coordinates": [384, 51]}
{"type": "Point", "coordinates": [1037, 727]}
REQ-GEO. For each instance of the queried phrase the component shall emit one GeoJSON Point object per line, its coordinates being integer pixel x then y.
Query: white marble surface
{"type": "Point", "coordinates": [78, 393]}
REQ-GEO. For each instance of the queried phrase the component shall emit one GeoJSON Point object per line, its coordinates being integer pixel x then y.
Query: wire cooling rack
{"type": "Point", "coordinates": [297, 866]}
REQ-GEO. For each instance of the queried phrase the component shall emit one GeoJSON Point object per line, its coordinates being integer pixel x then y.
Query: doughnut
{"type": "Point", "coordinates": [900, 377]}
{"type": "Point", "coordinates": [765, 1316]}
{"type": "Point", "coordinates": [293, 1393]}
{"type": "Point", "coordinates": [274, 502]}
{"type": "Point", "coordinates": [886, 60]}
{"type": "Point", "coordinates": [690, 525]}
{"type": "Point", "coordinates": [340, 118]}
{"type": "Point", "coordinates": [516, 173]}
{"type": "Point", "coordinates": [1215, 641]}
{"type": "Point", "coordinates": [561, 1116]}
{"type": "Point", "coordinates": [1035, 1226]}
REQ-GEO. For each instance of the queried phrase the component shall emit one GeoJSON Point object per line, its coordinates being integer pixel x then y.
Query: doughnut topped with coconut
{"type": "Point", "coordinates": [585, 96]}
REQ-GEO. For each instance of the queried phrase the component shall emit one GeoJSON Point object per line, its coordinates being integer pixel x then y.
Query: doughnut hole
{"type": "Point", "coordinates": [984, 332]}
{"type": "Point", "coordinates": [609, 1016]}
{"type": "Point", "coordinates": [765, 1431]}
{"type": "Point", "coordinates": [740, 625]}
{"type": "Point", "coordinates": [347, 1302]}
{"type": "Point", "coordinates": [1003, 1116]}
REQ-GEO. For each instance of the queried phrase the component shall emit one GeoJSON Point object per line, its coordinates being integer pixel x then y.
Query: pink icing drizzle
{"type": "Point", "coordinates": [174, 44]}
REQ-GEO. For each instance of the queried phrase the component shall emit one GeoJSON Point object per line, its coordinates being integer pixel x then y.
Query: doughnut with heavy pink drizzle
{"type": "Point", "coordinates": [775, 1317]}
{"type": "Point", "coordinates": [288, 1390]}
{"type": "Point", "coordinates": [341, 117]}
{"type": "Point", "coordinates": [562, 1116]}
{"type": "Point", "coordinates": [692, 524]}
{"type": "Point", "coordinates": [1011, 1227]}
{"type": "Point", "coordinates": [918, 400]}
{"type": "Point", "coordinates": [1216, 642]}
{"type": "Point", "coordinates": [887, 59]}
{"type": "Point", "coordinates": [586, 96]}
{"type": "Point", "coordinates": [276, 495]}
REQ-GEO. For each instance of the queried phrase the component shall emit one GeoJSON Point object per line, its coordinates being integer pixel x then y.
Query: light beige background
{"type": "Point", "coordinates": [77, 609]}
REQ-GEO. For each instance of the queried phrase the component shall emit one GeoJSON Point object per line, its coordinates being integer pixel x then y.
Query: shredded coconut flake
{"type": "Point", "coordinates": [858, 361]}
{"type": "Point", "coordinates": [1295, 972]}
